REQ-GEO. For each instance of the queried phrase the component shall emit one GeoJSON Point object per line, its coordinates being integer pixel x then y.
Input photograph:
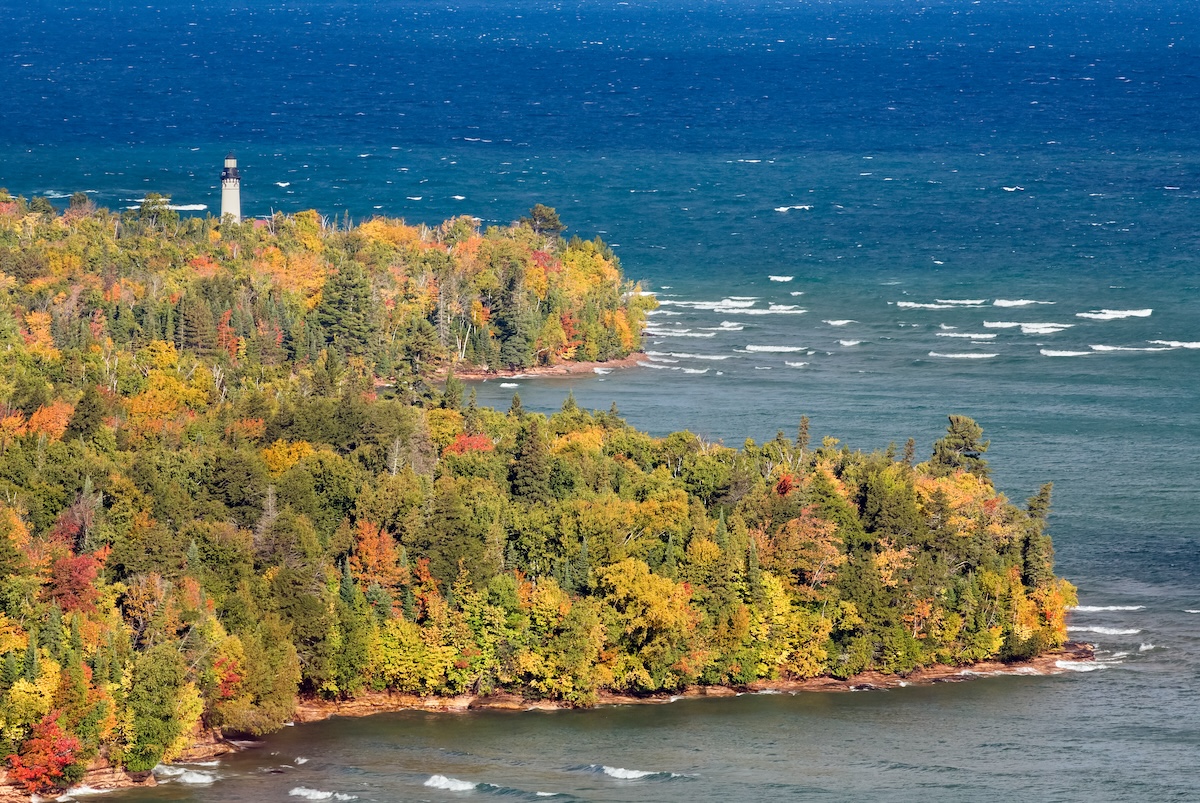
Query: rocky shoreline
{"type": "Point", "coordinates": [472, 374]}
{"type": "Point", "coordinates": [211, 744]}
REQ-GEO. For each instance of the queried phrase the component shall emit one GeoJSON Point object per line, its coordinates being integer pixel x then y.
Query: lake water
{"type": "Point", "coordinates": [847, 210]}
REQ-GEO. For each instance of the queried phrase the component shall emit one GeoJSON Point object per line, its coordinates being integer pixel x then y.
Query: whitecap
{"type": "Point", "coordinates": [1128, 348]}
{"type": "Point", "coordinates": [1189, 610]}
{"type": "Point", "coordinates": [775, 349]}
{"type": "Point", "coordinates": [317, 794]}
{"type": "Point", "coordinates": [794, 364]}
{"type": "Point", "coordinates": [196, 777]}
{"type": "Point", "coordinates": [966, 335]}
{"type": "Point", "coordinates": [802, 207]}
{"type": "Point", "coordinates": [849, 343]}
{"type": "Point", "coordinates": [602, 371]}
{"type": "Point", "coordinates": [1013, 189]}
{"type": "Point", "coordinates": [459, 197]}
{"type": "Point", "coordinates": [1145, 647]}
{"type": "Point", "coordinates": [510, 384]}
{"type": "Point", "coordinates": [916, 305]}
{"type": "Point", "coordinates": [796, 293]}
{"type": "Point", "coordinates": [841, 322]}
{"type": "Point", "coordinates": [1080, 666]}
{"type": "Point", "coordinates": [962, 302]}
{"type": "Point", "coordinates": [782, 307]}
{"type": "Point", "coordinates": [970, 356]}
{"type": "Point", "coordinates": [300, 760]}
{"type": "Point", "coordinates": [645, 364]}
{"type": "Point", "coordinates": [723, 328]}
{"type": "Point", "coordinates": [1044, 328]}
{"type": "Point", "coordinates": [683, 355]}
{"type": "Point", "coordinates": [762, 368]}
{"type": "Point", "coordinates": [946, 327]}
{"type": "Point", "coordinates": [1114, 314]}
{"type": "Point", "coordinates": [1096, 608]}
{"type": "Point", "coordinates": [415, 197]}
{"type": "Point", "coordinates": [694, 370]}
{"type": "Point", "coordinates": [1177, 344]}
{"type": "Point", "coordinates": [82, 790]}
{"type": "Point", "coordinates": [1105, 631]}
{"type": "Point", "coordinates": [781, 278]}
{"type": "Point", "coordinates": [449, 784]}
{"type": "Point", "coordinates": [284, 184]}
{"type": "Point", "coordinates": [624, 774]}
{"type": "Point", "coordinates": [766, 311]}
{"type": "Point", "coordinates": [1019, 302]}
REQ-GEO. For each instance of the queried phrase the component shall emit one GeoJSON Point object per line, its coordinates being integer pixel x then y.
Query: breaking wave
{"type": "Point", "coordinates": [317, 794]}
{"type": "Point", "coordinates": [1054, 353]}
{"type": "Point", "coordinates": [967, 356]}
{"type": "Point", "coordinates": [1105, 631]}
{"type": "Point", "coordinates": [449, 784]}
{"type": "Point", "coordinates": [1020, 302]}
{"type": "Point", "coordinates": [775, 349]}
{"type": "Point", "coordinates": [1114, 314]}
{"type": "Point", "coordinates": [1096, 608]}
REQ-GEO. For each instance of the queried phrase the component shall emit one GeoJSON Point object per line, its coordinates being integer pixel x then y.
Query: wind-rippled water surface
{"type": "Point", "coordinates": [872, 213]}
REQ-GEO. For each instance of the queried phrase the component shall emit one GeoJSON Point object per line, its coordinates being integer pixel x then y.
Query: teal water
{"type": "Point", "coordinates": [922, 157]}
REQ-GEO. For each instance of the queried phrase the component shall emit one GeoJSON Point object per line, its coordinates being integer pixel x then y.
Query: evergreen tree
{"type": "Point", "coordinates": [960, 449]}
{"type": "Point", "coordinates": [88, 416]}
{"type": "Point", "coordinates": [529, 475]}
{"type": "Point", "coordinates": [346, 313]}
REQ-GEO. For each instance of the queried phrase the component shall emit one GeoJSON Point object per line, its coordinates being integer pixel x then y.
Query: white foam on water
{"type": "Point", "coordinates": [1080, 666]}
{"type": "Point", "coordinates": [916, 305]}
{"type": "Point", "coordinates": [1145, 647]}
{"type": "Point", "coordinates": [624, 774]}
{"type": "Point", "coordinates": [683, 355]}
{"type": "Point", "coordinates": [723, 328]}
{"type": "Point", "coordinates": [510, 384]}
{"type": "Point", "coordinates": [1114, 314]}
{"type": "Point", "coordinates": [1105, 631]}
{"type": "Point", "coordinates": [781, 278]}
{"type": "Point", "coordinates": [694, 370]}
{"type": "Point", "coordinates": [300, 760]}
{"type": "Point", "coordinates": [796, 293]}
{"type": "Point", "coordinates": [677, 333]}
{"type": "Point", "coordinates": [546, 794]}
{"type": "Point", "coordinates": [794, 364]}
{"type": "Point", "coordinates": [317, 794]}
{"type": "Point", "coordinates": [962, 302]}
{"type": "Point", "coordinates": [1096, 608]}
{"type": "Point", "coordinates": [645, 364]}
{"type": "Point", "coordinates": [83, 790]}
{"type": "Point", "coordinates": [765, 311]}
{"type": "Point", "coordinates": [449, 784]}
{"type": "Point", "coordinates": [775, 349]}
{"type": "Point", "coordinates": [762, 368]}
{"type": "Point", "coordinates": [284, 184]}
{"type": "Point", "coordinates": [661, 359]}
{"type": "Point", "coordinates": [1019, 302]}
{"type": "Point", "coordinates": [459, 197]}
{"type": "Point", "coordinates": [1128, 348]}
{"type": "Point", "coordinates": [782, 307]}
{"type": "Point", "coordinates": [1000, 324]}
{"type": "Point", "coordinates": [946, 327]}
{"type": "Point", "coordinates": [841, 322]}
{"type": "Point", "coordinates": [849, 343]}
{"type": "Point", "coordinates": [802, 207]}
{"type": "Point", "coordinates": [969, 356]}
{"type": "Point", "coordinates": [1054, 353]}
{"type": "Point", "coordinates": [968, 335]}
{"type": "Point", "coordinates": [196, 777]}
{"type": "Point", "coordinates": [168, 771]}
{"type": "Point", "coordinates": [602, 371]}
{"type": "Point", "coordinates": [1044, 328]}
{"type": "Point", "coordinates": [1189, 610]}
{"type": "Point", "coordinates": [1177, 344]}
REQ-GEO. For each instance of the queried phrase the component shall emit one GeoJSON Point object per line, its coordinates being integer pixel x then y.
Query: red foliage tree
{"type": "Point", "coordinates": [40, 764]}
{"type": "Point", "coordinates": [73, 582]}
{"type": "Point", "coordinates": [470, 443]}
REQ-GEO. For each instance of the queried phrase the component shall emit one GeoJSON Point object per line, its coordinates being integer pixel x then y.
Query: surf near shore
{"type": "Point", "coordinates": [474, 374]}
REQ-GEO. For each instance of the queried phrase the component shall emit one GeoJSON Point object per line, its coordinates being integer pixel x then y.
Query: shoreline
{"type": "Point", "coordinates": [211, 744]}
{"type": "Point", "coordinates": [562, 369]}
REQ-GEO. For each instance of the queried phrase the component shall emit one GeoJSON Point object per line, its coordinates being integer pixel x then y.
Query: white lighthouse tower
{"type": "Point", "coordinates": [231, 190]}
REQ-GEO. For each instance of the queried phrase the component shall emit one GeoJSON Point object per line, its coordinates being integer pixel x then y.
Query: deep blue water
{"type": "Point", "coordinates": [985, 152]}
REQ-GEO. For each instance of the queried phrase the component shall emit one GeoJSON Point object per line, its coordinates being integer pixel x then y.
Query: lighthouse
{"type": "Point", "coordinates": [231, 190]}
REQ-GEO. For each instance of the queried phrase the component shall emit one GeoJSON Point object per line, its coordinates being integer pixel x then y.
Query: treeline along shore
{"type": "Point", "coordinates": [240, 484]}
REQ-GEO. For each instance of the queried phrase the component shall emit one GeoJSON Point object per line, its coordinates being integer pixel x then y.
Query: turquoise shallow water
{"type": "Point", "coordinates": [896, 162]}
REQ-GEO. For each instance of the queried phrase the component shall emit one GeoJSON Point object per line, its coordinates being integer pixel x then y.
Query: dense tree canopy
{"type": "Point", "coordinates": [229, 476]}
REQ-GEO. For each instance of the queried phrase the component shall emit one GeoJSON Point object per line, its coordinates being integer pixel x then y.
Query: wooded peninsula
{"type": "Point", "coordinates": [237, 471]}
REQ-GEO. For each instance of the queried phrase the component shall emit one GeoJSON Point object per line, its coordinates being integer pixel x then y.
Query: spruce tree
{"type": "Point", "coordinates": [960, 449]}
{"type": "Point", "coordinates": [345, 313]}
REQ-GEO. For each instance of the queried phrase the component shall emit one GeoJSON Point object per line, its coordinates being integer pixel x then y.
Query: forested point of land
{"type": "Point", "coordinates": [228, 477]}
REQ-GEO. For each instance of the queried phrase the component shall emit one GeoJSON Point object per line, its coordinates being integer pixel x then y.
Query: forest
{"type": "Point", "coordinates": [236, 468]}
